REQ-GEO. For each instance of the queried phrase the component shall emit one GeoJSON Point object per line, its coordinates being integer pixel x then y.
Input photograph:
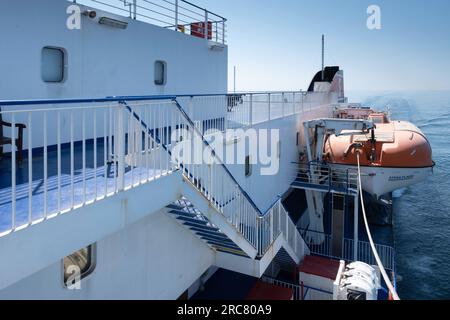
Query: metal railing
{"type": "Point", "coordinates": [179, 15]}
{"type": "Point", "coordinates": [276, 221]}
{"type": "Point", "coordinates": [247, 109]}
{"type": "Point", "coordinates": [325, 249]}
{"type": "Point", "coordinates": [326, 177]}
{"type": "Point", "coordinates": [300, 291]}
{"type": "Point", "coordinates": [85, 150]}
{"type": "Point", "coordinates": [79, 152]}
{"type": "Point", "coordinates": [226, 195]}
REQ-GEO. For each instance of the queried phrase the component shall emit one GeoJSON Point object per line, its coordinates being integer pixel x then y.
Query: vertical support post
{"type": "Point", "coordinates": [268, 97]}
{"type": "Point", "coordinates": [13, 171]}
{"type": "Point", "coordinates": [355, 229]}
{"type": "Point", "coordinates": [282, 104]}
{"type": "Point", "coordinates": [30, 170]}
{"type": "Point", "coordinates": [271, 227]}
{"type": "Point", "coordinates": [176, 15]}
{"type": "Point", "coordinates": [134, 9]}
{"type": "Point", "coordinates": [120, 148]}
{"type": "Point", "coordinates": [323, 57]}
{"type": "Point", "coordinates": [251, 109]}
{"type": "Point", "coordinates": [205, 29]}
{"type": "Point", "coordinates": [295, 242]}
{"type": "Point", "coordinates": [287, 226]}
{"type": "Point", "coordinates": [258, 247]}
{"type": "Point", "coordinates": [223, 31]}
{"type": "Point", "coordinates": [302, 291]}
{"type": "Point", "coordinates": [217, 31]}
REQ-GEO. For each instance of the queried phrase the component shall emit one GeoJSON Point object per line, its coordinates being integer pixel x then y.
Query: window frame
{"type": "Point", "coordinates": [64, 64]}
{"type": "Point", "coordinates": [248, 166]}
{"type": "Point", "coordinates": [164, 65]}
{"type": "Point", "coordinates": [85, 273]}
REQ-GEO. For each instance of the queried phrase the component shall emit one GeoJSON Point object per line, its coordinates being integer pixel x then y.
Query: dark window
{"type": "Point", "coordinates": [160, 73]}
{"type": "Point", "coordinates": [83, 260]}
{"type": "Point", "coordinates": [248, 167]}
{"type": "Point", "coordinates": [52, 64]}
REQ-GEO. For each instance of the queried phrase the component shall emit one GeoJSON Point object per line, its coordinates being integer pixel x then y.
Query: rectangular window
{"type": "Point", "coordinates": [79, 265]}
{"type": "Point", "coordinates": [298, 138]}
{"type": "Point", "coordinates": [160, 73]}
{"type": "Point", "coordinates": [248, 167]}
{"type": "Point", "coordinates": [52, 64]}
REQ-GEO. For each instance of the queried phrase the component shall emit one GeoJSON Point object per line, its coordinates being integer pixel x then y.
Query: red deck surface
{"type": "Point", "coordinates": [265, 291]}
{"type": "Point", "coordinates": [321, 267]}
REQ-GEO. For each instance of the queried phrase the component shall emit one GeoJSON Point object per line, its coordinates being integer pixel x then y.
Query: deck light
{"type": "Point", "coordinates": [90, 13]}
{"type": "Point", "coordinates": [113, 23]}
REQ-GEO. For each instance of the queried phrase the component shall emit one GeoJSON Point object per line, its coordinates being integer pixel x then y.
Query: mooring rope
{"type": "Point", "coordinates": [372, 245]}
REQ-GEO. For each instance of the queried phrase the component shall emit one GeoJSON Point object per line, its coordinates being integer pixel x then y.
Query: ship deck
{"type": "Point", "coordinates": [39, 198]}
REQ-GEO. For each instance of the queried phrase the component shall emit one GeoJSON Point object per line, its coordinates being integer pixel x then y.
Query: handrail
{"type": "Point", "coordinates": [168, 15]}
{"type": "Point", "coordinates": [258, 227]}
{"type": "Point", "coordinates": [74, 101]}
{"type": "Point", "coordinates": [198, 7]}
{"type": "Point", "coordinates": [213, 153]}
{"type": "Point", "coordinates": [130, 98]}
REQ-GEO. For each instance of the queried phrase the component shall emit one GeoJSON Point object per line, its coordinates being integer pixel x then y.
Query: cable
{"type": "Point", "coordinates": [374, 250]}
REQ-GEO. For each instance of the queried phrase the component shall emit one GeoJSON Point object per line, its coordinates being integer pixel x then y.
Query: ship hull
{"type": "Point", "coordinates": [382, 180]}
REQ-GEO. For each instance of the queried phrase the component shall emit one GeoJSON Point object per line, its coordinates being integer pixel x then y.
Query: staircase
{"type": "Point", "coordinates": [217, 209]}
{"type": "Point", "coordinates": [121, 151]}
{"type": "Point", "coordinates": [187, 215]}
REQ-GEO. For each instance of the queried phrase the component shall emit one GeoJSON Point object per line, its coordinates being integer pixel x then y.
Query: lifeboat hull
{"type": "Point", "coordinates": [378, 181]}
{"type": "Point", "coordinates": [393, 156]}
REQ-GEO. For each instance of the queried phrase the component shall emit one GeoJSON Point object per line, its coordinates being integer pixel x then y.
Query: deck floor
{"type": "Point", "coordinates": [34, 200]}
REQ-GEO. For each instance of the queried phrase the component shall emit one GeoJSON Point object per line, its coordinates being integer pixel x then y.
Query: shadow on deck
{"type": "Point", "coordinates": [77, 184]}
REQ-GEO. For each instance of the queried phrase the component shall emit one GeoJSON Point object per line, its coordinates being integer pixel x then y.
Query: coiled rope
{"type": "Point", "coordinates": [372, 245]}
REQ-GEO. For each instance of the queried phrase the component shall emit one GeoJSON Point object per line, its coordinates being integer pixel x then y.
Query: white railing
{"type": "Point", "coordinates": [276, 222]}
{"type": "Point", "coordinates": [240, 110]}
{"type": "Point", "coordinates": [248, 109]}
{"type": "Point", "coordinates": [179, 15]}
{"type": "Point", "coordinates": [316, 175]}
{"type": "Point", "coordinates": [85, 153]}
{"type": "Point", "coordinates": [218, 185]}
{"type": "Point", "coordinates": [387, 253]}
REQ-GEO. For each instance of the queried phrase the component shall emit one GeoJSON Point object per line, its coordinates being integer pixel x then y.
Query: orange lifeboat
{"type": "Point", "coordinates": [394, 155]}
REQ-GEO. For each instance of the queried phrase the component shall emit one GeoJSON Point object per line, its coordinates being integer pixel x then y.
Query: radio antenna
{"type": "Point", "coordinates": [323, 57]}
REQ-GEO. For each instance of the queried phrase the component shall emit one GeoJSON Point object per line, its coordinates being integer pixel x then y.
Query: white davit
{"type": "Point", "coordinates": [356, 281]}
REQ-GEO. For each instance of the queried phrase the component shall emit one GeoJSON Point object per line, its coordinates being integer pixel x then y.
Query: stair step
{"type": "Point", "coordinates": [183, 213]}
{"type": "Point", "coordinates": [203, 227]}
{"type": "Point", "coordinates": [218, 240]}
{"type": "Point", "coordinates": [218, 235]}
{"type": "Point", "coordinates": [231, 247]}
{"type": "Point", "coordinates": [234, 252]}
{"type": "Point", "coordinates": [193, 220]}
{"type": "Point", "coordinates": [207, 232]}
{"type": "Point", "coordinates": [174, 207]}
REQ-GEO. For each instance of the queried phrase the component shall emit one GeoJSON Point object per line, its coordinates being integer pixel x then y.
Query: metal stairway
{"type": "Point", "coordinates": [187, 215]}
{"type": "Point", "coordinates": [219, 210]}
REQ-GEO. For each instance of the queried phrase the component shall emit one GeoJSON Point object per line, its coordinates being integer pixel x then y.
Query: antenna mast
{"type": "Point", "coordinates": [323, 57]}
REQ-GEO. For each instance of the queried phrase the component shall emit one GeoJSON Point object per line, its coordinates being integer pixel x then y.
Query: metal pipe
{"type": "Point", "coordinates": [323, 57]}
{"type": "Point", "coordinates": [176, 15]}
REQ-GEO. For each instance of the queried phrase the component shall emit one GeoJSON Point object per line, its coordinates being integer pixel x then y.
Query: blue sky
{"type": "Point", "coordinates": [276, 44]}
